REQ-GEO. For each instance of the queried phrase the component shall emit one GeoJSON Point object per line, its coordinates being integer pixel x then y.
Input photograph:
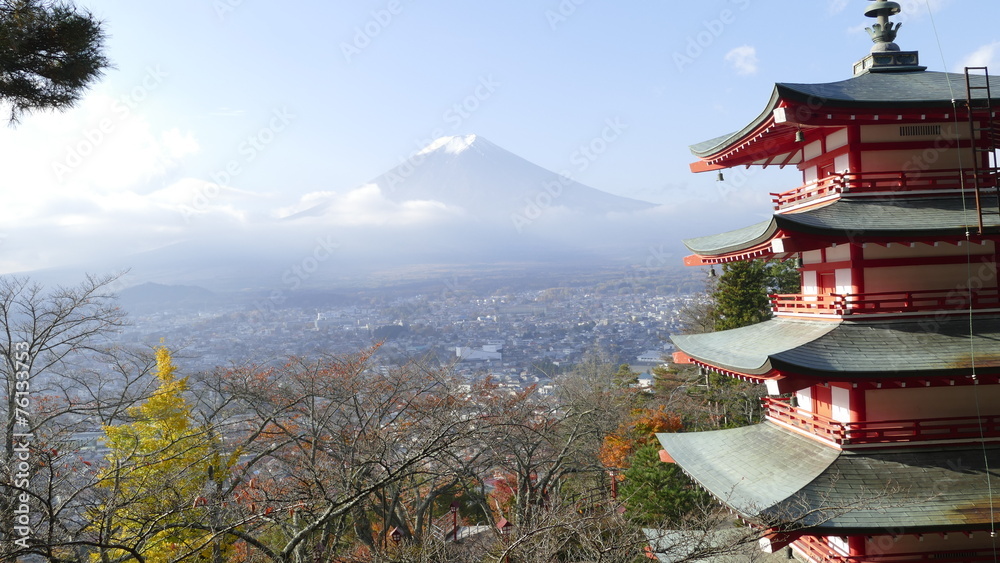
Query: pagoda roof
{"type": "Point", "coordinates": [868, 217]}
{"type": "Point", "coordinates": [851, 350]}
{"type": "Point", "coordinates": [794, 106]}
{"type": "Point", "coordinates": [733, 241]}
{"type": "Point", "coordinates": [749, 349]}
{"type": "Point", "coordinates": [773, 475]}
{"type": "Point", "coordinates": [886, 89]}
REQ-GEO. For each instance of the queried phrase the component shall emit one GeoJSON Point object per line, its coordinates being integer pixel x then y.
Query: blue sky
{"type": "Point", "coordinates": [220, 113]}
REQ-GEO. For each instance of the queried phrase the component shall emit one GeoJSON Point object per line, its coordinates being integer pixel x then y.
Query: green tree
{"type": "Point", "coordinates": [50, 52]}
{"type": "Point", "coordinates": [741, 296]}
{"type": "Point", "coordinates": [655, 492]}
{"type": "Point", "coordinates": [625, 377]}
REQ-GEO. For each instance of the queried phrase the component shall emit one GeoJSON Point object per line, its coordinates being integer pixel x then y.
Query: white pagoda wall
{"type": "Point", "coordinates": [931, 402]}
{"type": "Point", "coordinates": [935, 157]}
{"type": "Point", "coordinates": [919, 250]}
{"type": "Point", "coordinates": [917, 278]}
{"type": "Point", "coordinates": [935, 276]}
{"type": "Point", "coordinates": [907, 161]}
{"type": "Point", "coordinates": [889, 133]}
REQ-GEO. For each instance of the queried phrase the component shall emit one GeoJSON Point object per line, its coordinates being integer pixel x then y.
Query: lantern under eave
{"type": "Point", "coordinates": [883, 420]}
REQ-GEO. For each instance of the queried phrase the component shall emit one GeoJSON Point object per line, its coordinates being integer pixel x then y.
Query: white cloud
{"type": "Point", "coordinates": [367, 205]}
{"type": "Point", "coordinates": [743, 59]}
{"type": "Point", "coordinates": [987, 55]}
{"type": "Point", "coordinates": [837, 6]}
{"type": "Point", "coordinates": [94, 178]}
{"type": "Point", "coordinates": [90, 154]}
{"type": "Point", "coordinates": [918, 8]}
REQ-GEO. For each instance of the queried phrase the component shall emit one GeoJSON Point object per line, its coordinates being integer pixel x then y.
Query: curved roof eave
{"type": "Point", "coordinates": [748, 350]}
{"type": "Point", "coordinates": [844, 350]}
{"type": "Point", "coordinates": [733, 241]}
{"type": "Point", "coordinates": [767, 472]}
{"type": "Point", "coordinates": [869, 217]}
{"type": "Point", "coordinates": [919, 89]}
{"type": "Point", "coordinates": [896, 89]}
{"type": "Point", "coordinates": [712, 146]}
{"type": "Point", "coordinates": [897, 348]}
{"type": "Point", "coordinates": [740, 467]}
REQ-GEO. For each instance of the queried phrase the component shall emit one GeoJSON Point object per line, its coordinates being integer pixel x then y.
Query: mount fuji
{"type": "Point", "coordinates": [461, 202]}
{"type": "Point", "coordinates": [473, 177]}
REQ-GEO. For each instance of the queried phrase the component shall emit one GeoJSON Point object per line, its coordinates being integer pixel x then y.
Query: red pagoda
{"type": "Point", "coordinates": [882, 434]}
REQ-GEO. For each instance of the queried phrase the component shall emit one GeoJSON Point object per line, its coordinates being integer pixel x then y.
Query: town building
{"type": "Point", "coordinates": [882, 434]}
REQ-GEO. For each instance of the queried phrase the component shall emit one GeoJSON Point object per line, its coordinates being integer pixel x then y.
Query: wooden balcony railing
{"type": "Point", "coordinates": [888, 302]}
{"type": "Point", "coordinates": [883, 431]}
{"type": "Point", "coordinates": [818, 550]}
{"type": "Point", "coordinates": [871, 183]}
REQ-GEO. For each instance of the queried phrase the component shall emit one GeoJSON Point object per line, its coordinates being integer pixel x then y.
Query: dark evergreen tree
{"type": "Point", "coordinates": [625, 377]}
{"type": "Point", "coordinates": [741, 295]}
{"type": "Point", "coordinates": [655, 492]}
{"type": "Point", "coordinates": [50, 52]}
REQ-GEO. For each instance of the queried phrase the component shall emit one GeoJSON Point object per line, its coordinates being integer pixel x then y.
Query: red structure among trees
{"type": "Point", "coordinates": [882, 438]}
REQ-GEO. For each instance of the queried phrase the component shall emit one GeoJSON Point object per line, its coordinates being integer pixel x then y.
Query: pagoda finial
{"type": "Point", "coordinates": [885, 55]}
{"type": "Point", "coordinates": [883, 33]}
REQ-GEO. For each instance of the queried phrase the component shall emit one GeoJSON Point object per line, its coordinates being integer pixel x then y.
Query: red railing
{"type": "Point", "coordinates": [781, 410]}
{"type": "Point", "coordinates": [888, 302]}
{"type": "Point", "coordinates": [883, 431]}
{"type": "Point", "coordinates": [868, 183]}
{"type": "Point", "coordinates": [813, 190]}
{"type": "Point", "coordinates": [818, 550]}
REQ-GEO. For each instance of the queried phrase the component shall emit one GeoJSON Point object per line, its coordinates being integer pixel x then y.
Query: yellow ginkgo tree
{"type": "Point", "coordinates": [161, 467]}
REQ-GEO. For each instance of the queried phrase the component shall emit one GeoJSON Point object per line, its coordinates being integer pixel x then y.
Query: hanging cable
{"type": "Point", "coordinates": [968, 261]}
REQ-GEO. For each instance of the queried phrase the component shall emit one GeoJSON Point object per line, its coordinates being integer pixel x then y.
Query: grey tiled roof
{"type": "Point", "coordinates": [929, 489]}
{"type": "Point", "coordinates": [733, 240]}
{"type": "Point", "coordinates": [910, 348]}
{"type": "Point", "coordinates": [913, 217]}
{"type": "Point", "coordinates": [893, 89]}
{"type": "Point", "coordinates": [749, 349]}
{"type": "Point", "coordinates": [847, 350]}
{"type": "Point", "coordinates": [772, 475]}
{"type": "Point", "coordinates": [752, 468]}
{"type": "Point", "coordinates": [888, 217]}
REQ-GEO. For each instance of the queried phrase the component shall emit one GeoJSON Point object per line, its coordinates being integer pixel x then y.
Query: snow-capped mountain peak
{"type": "Point", "coordinates": [451, 145]}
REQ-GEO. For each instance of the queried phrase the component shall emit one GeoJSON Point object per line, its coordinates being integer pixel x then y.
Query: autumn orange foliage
{"type": "Point", "coordinates": [637, 431]}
